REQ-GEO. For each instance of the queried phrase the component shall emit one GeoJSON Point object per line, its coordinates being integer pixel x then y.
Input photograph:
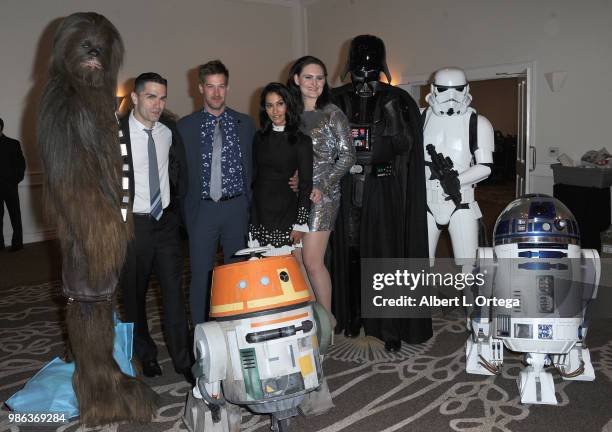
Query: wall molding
{"type": "Point", "coordinates": [286, 3]}
{"type": "Point", "coordinates": [38, 236]}
{"type": "Point", "coordinates": [32, 179]}
{"type": "Point", "coordinates": [505, 70]}
{"type": "Point", "coordinates": [35, 228]}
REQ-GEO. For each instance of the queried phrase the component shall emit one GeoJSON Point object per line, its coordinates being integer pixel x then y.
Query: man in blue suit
{"type": "Point", "coordinates": [218, 144]}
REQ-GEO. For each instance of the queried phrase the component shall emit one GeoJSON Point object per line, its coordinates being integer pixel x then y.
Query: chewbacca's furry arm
{"type": "Point", "coordinates": [83, 171]}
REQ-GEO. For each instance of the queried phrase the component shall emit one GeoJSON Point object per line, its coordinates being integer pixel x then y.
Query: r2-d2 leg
{"type": "Point", "coordinates": [575, 365]}
{"type": "Point", "coordinates": [536, 385]}
{"type": "Point", "coordinates": [484, 354]}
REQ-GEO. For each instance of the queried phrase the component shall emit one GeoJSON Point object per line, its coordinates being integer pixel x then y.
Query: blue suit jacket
{"type": "Point", "coordinates": [189, 128]}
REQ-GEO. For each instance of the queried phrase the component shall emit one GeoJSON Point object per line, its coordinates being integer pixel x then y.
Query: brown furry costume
{"type": "Point", "coordinates": [78, 139]}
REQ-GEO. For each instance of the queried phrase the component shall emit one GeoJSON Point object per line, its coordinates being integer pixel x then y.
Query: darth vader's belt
{"type": "Point", "coordinates": [384, 169]}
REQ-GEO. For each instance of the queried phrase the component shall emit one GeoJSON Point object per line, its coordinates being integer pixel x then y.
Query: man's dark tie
{"type": "Point", "coordinates": [154, 191]}
{"type": "Point", "coordinates": [215, 168]}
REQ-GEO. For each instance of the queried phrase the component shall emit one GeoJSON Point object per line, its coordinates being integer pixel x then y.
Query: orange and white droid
{"type": "Point", "coordinates": [263, 348]}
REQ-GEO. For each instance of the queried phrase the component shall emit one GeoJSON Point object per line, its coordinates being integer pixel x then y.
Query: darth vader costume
{"type": "Point", "coordinates": [383, 205]}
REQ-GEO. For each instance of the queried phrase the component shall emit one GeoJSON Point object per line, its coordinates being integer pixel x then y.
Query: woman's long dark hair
{"type": "Point", "coordinates": [294, 89]}
{"type": "Point", "coordinates": [292, 115]}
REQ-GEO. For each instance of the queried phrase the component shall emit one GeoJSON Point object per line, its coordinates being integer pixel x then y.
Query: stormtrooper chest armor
{"type": "Point", "coordinates": [450, 135]}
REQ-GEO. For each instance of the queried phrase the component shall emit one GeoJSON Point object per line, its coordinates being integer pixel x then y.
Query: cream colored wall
{"type": "Point", "coordinates": [558, 35]}
{"type": "Point", "coordinates": [255, 41]}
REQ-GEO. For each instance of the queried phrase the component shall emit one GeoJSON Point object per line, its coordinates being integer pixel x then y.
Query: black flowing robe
{"type": "Point", "coordinates": [393, 217]}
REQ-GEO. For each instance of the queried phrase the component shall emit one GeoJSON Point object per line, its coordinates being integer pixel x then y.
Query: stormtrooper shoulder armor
{"type": "Point", "coordinates": [486, 145]}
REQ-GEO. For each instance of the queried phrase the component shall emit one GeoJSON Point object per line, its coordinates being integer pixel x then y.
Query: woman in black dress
{"type": "Point", "coordinates": [279, 216]}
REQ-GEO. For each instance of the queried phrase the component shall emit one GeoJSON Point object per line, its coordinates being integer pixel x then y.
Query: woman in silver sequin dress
{"type": "Point", "coordinates": [333, 156]}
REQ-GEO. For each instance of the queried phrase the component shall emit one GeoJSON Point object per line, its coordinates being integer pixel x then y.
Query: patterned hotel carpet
{"type": "Point", "coordinates": [422, 388]}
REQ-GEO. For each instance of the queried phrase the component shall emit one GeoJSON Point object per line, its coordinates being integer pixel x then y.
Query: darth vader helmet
{"type": "Point", "coordinates": [366, 60]}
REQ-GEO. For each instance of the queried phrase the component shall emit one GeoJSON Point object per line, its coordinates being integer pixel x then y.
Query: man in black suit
{"type": "Point", "coordinates": [156, 160]}
{"type": "Point", "coordinates": [218, 142]}
{"type": "Point", "coordinates": [12, 170]}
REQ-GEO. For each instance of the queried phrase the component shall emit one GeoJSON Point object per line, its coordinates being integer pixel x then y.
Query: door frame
{"type": "Point", "coordinates": [412, 84]}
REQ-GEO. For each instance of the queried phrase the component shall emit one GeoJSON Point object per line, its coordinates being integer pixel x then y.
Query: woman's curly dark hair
{"type": "Point", "coordinates": [292, 115]}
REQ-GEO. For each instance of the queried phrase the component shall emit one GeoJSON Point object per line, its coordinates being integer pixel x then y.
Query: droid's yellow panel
{"type": "Point", "coordinates": [306, 366]}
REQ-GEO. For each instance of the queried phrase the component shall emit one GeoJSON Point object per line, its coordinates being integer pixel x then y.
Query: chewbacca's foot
{"type": "Point", "coordinates": [105, 394]}
{"type": "Point", "coordinates": [129, 400]}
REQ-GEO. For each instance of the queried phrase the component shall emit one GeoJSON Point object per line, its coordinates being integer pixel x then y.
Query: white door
{"type": "Point", "coordinates": [525, 153]}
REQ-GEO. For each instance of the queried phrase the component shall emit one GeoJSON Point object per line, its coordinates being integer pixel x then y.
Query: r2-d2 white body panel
{"type": "Point", "coordinates": [544, 281]}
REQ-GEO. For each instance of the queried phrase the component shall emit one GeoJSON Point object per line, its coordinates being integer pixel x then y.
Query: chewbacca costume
{"type": "Point", "coordinates": [78, 138]}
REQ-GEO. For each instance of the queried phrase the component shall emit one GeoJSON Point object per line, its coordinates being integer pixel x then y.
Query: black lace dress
{"type": "Point", "coordinates": [276, 210]}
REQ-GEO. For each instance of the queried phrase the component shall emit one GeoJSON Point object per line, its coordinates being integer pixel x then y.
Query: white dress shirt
{"type": "Point", "coordinates": [140, 160]}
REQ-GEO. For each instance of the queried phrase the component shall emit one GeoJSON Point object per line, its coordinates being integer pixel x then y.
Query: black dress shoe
{"type": "Point", "coordinates": [151, 369]}
{"type": "Point", "coordinates": [393, 345]}
{"type": "Point", "coordinates": [353, 330]}
{"type": "Point", "coordinates": [16, 247]}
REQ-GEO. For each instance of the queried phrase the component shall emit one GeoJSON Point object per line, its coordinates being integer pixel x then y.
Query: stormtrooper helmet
{"type": "Point", "coordinates": [450, 92]}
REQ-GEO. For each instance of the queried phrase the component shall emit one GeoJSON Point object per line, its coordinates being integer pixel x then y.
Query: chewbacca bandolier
{"type": "Point", "coordinates": [82, 159]}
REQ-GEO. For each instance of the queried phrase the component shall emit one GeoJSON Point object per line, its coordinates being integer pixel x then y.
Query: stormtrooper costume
{"type": "Point", "coordinates": [459, 133]}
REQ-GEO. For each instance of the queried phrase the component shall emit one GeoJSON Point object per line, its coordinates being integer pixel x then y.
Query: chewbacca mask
{"type": "Point", "coordinates": [79, 144]}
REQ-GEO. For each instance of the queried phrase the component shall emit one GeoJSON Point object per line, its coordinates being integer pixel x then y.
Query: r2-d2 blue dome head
{"type": "Point", "coordinates": [536, 221]}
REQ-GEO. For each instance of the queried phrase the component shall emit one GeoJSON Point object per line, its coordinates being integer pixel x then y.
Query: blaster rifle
{"type": "Point", "coordinates": [442, 169]}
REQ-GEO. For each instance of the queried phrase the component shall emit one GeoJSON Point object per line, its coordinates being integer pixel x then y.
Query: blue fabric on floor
{"type": "Point", "coordinates": [50, 390]}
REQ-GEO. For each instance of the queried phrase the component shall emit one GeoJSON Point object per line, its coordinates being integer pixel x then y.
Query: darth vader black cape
{"type": "Point", "coordinates": [393, 222]}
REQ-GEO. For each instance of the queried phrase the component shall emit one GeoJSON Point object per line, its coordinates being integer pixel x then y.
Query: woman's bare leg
{"type": "Point", "coordinates": [315, 244]}
{"type": "Point", "coordinates": [297, 253]}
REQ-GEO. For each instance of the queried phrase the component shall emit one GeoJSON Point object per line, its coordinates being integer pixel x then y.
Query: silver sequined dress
{"type": "Point", "coordinates": [333, 155]}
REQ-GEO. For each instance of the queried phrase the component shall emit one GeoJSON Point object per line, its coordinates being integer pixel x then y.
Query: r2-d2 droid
{"type": "Point", "coordinates": [262, 351]}
{"type": "Point", "coordinates": [537, 284]}
{"type": "Point", "coordinates": [458, 149]}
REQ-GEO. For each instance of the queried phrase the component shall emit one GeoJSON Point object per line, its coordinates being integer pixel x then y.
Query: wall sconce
{"type": "Point", "coordinates": [555, 80]}
{"type": "Point", "coordinates": [118, 102]}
